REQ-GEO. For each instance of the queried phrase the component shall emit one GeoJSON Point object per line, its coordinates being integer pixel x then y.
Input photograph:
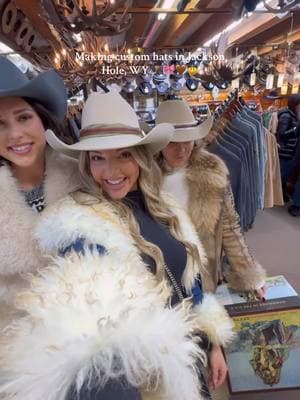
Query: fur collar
{"type": "Point", "coordinates": [85, 312]}
{"type": "Point", "coordinates": [207, 179]}
{"type": "Point", "coordinates": [17, 219]}
{"type": "Point", "coordinates": [76, 213]}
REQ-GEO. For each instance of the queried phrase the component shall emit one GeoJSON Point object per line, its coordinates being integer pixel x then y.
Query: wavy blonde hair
{"type": "Point", "coordinates": [150, 180]}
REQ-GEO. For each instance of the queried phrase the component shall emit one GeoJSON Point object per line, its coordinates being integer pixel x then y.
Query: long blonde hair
{"type": "Point", "coordinates": [150, 180]}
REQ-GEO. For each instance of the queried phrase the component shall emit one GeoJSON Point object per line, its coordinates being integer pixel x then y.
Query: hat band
{"type": "Point", "coordinates": [191, 125]}
{"type": "Point", "coordinates": [110, 131]}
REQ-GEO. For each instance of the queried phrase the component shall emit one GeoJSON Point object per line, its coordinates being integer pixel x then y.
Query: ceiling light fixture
{"type": "Point", "coordinates": [166, 4]}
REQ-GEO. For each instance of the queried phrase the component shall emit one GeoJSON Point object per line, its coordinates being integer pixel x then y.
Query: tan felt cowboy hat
{"type": "Point", "coordinates": [179, 114]}
{"type": "Point", "coordinates": [109, 122]}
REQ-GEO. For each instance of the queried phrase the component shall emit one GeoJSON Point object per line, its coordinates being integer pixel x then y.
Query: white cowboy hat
{"type": "Point", "coordinates": [179, 114]}
{"type": "Point", "coordinates": [109, 122]}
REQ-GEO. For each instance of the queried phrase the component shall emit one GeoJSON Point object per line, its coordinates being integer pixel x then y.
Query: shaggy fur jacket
{"type": "Point", "coordinates": [18, 252]}
{"type": "Point", "coordinates": [203, 189]}
{"type": "Point", "coordinates": [101, 314]}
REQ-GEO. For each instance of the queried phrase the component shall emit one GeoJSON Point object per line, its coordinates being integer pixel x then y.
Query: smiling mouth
{"type": "Point", "coordinates": [115, 183]}
{"type": "Point", "coordinates": [22, 149]}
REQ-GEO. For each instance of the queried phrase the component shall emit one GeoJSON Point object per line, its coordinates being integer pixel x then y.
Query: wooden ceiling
{"type": "Point", "coordinates": [201, 21]}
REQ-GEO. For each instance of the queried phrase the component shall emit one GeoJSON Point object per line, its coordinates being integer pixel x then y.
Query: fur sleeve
{"type": "Point", "coordinates": [212, 318]}
{"type": "Point", "coordinates": [244, 273]}
{"type": "Point", "coordinates": [97, 318]}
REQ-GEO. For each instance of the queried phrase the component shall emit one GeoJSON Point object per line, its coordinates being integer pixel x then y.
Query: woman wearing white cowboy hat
{"type": "Point", "coordinates": [100, 317]}
{"type": "Point", "coordinates": [199, 180]}
{"type": "Point", "coordinates": [32, 176]}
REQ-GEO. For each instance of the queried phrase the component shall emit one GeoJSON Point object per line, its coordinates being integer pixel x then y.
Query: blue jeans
{"type": "Point", "coordinates": [296, 195]}
{"type": "Point", "coordinates": [286, 169]}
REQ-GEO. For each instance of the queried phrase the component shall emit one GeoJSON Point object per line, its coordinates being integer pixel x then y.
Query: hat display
{"type": "Point", "coordinates": [145, 87]}
{"type": "Point", "coordinates": [207, 85]}
{"type": "Point", "coordinates": [273, 95]}
{"type": "Point", "coordinates": [221, 84]}
{"type": "Point", "coordinates": [129, 87]}
{"type": "Point", "coordinates": [109, 122]}
{"type": "Point", "coordinates": [162, 87]}
{"type": "Point", "coordinates": [175, 85]}
{"type": "Point", "coordinates": [176, 76]}
{"type": "Point", "coordinates": [47, 88]}
{"type": "Point", "coordinates": [179, 114]}
{"type": "Point", "coordinates": [159, 77]}
{"type": "Point", "coordinates": [192, 84]}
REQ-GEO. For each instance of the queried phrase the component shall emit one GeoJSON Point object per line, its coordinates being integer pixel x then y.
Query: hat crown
{"type": "Point", "coordinates": [176, 112]}
{"type": "Point", "coordinates": [108, 109]}
{"type": "Point", "coordinates": [11, 74]}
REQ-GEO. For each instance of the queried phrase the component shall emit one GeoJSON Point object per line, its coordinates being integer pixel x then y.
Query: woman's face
{"type": "Point", "coordinates": [22, 134]}
{"type": "Point", "coordinates": [116, 171]}
{"type": "Point", "coordinates": [177, 154]}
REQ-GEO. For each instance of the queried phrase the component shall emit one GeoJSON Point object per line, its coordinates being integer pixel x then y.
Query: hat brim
{"type": "Point", "coordinates": [194, 133]}
{"type": "Point", "coordinates": [156, 140]}
{"type": "Point", "coordinates": [48, 89]}
{"type": "Point", "coordinates": [272, 97]}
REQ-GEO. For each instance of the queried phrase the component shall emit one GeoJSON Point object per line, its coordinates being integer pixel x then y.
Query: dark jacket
{"type": "Point", "coordinates": [287, 133]}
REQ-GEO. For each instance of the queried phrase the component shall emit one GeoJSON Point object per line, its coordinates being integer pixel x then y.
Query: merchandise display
{"type": "Point", "coordinates": [150, 200]}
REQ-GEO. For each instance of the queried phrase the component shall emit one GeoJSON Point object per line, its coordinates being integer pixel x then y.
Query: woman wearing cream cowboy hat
{"type": "Point", "coordinates": [100, 318]}
{"type": "Point", "coordinates": [32, 176]}
{"type": "Point", "coordinates": [199, 181]}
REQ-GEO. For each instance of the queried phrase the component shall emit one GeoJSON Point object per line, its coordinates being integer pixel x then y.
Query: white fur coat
{"type": "Point", "coordinates": [84, 312]}
{"type": "Point", "coordinates": [18, 250]}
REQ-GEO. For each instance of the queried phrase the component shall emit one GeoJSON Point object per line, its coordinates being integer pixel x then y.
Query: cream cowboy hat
{"type": "Point", "coordinates": [109, 122]}
{"type": "Point", "coordinates": [179, 114]}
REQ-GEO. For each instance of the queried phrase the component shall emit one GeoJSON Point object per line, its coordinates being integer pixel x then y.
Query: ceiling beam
{"type": "Point", "coordinates": [176, 25]}
{"type": "Point", "coordinates": [279, 42]}
{"type": "Point", "coordinates": [253, 26]}
{"type": "Point", "coordinates": [213, 25]}
{"type": "Point", "coordinates": [159, 10]}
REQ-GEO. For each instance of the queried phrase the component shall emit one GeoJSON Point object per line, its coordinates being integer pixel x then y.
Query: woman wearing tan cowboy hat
{"type": "Point", "coordinates": [32, 176]}
{"type": "Point", "coordinates": [100, 318]}
{"type": "Point", "coordinates": [199, 181]}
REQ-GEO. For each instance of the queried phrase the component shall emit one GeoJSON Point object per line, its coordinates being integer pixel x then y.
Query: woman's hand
{"type": "Point", "coordinates": [261, 293]}
{"type": "Point", "coordinates": [218, 367]}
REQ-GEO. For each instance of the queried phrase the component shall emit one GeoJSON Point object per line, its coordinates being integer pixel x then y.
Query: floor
{"type": "Point", "coordinates": [275, 242]}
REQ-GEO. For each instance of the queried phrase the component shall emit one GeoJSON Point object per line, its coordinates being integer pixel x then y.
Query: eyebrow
{"type": "Point", "coordinates": [21, 110]}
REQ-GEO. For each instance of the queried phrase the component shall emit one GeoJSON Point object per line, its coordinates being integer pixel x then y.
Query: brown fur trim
{"type": "Point", "coordinates": [207, 178]}
{"type": "Point", "coordinates": [246, 279]}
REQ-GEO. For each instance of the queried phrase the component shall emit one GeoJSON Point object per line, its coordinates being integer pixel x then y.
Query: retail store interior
{"type": "Point", "coordinates": [234, 62]}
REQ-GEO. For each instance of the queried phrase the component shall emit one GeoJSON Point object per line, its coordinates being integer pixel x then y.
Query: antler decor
{"type": "Point", "coordinates": [98, 16]}
{"type": "Point", "coordinates": [100, 63]}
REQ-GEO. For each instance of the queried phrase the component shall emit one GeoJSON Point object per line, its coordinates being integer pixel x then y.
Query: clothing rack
{"type": "Point", "coordinates": [238, 137]}
{"type": "Point", "coordinates": [233, 96]}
